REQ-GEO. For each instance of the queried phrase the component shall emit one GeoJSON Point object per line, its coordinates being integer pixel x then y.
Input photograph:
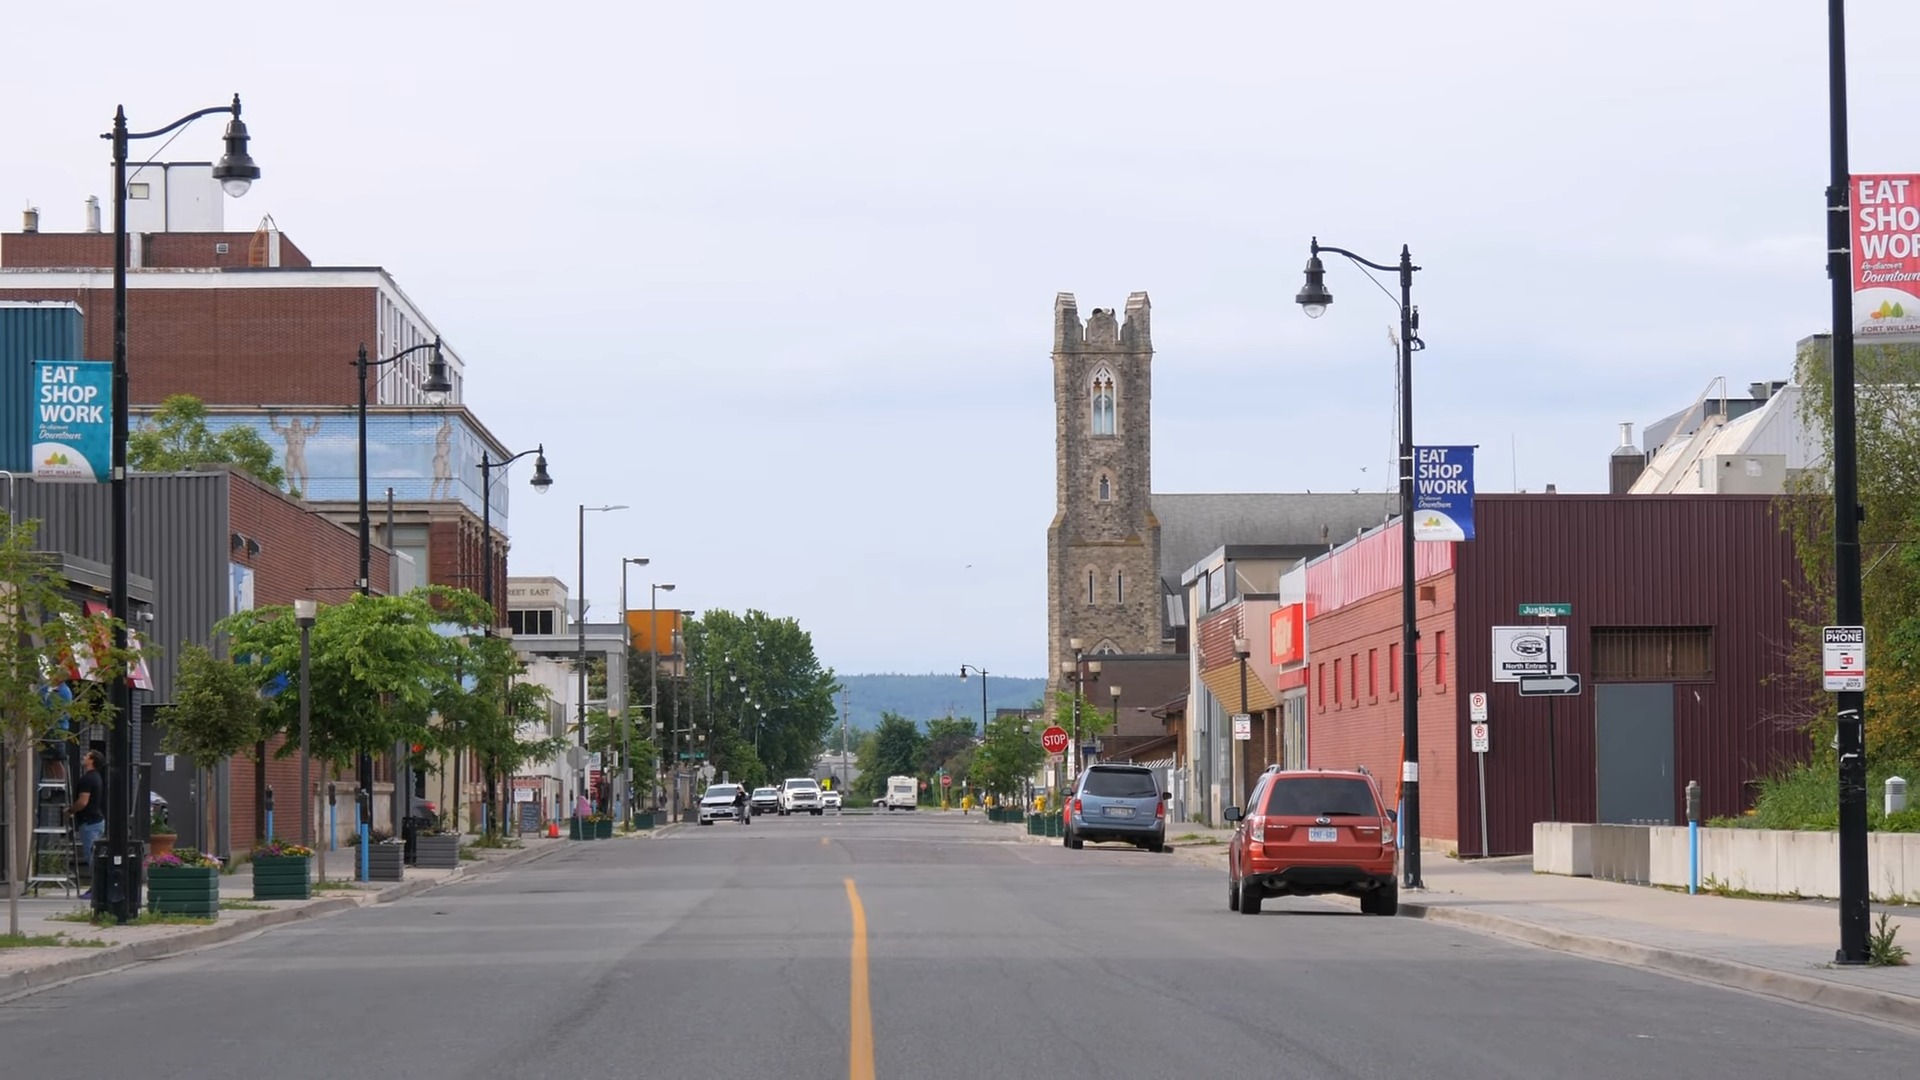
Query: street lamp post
{"type": "Point", "coordinates": [580, 625]}
{"type": "Point", "coordinates": [1313, 299]}
{"type": "Point", "coordinates": [1080, 671]}
{"type": "Point", "coordinates": [437, 384]}
{"type": "Point", "coordinates": [236, 173]}
{"type": "Point", "coordinates": [304, 613]}
{"type": "Point", "coordinates": [1240, 653]}
{"type": "Point", "coordinates": [1855, 900]}
{"type": "Point", "coordinates": [1113, 692]}
{"type": "Point", "coordinates": [626, 722]}
{"type": "Point", "coordinates": [653, 651]}
{"type": "Point", "coordinates": [982, 672]}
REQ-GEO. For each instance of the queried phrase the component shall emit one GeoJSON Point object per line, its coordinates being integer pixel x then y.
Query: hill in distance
{"type": "Point", "coordinates": [929, 697]}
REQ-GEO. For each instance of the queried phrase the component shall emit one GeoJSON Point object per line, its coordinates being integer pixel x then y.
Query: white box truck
{"type": "Point", "coordinates": [903, 793]}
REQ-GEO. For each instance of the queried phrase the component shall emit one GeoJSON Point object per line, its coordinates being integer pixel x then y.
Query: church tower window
{"type": "Point", "coordinates": [1105, 417]}
{"type": "Point", "coordinates": [1106, 490]}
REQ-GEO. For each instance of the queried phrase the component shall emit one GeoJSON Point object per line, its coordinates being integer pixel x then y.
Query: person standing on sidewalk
{"type": "Point", "coordinates": [89, 814]}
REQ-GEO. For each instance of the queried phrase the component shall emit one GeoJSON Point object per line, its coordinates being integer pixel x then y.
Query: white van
{"type": "Point", "coordinates": [903, 793]}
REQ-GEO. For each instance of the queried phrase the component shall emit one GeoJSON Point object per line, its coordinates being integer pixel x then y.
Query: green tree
{"type": "Point", "coordinates": [486, 712]}
{"type": "Point", "coordinates": [216, 713]}
{"type": "Point", "coordinates": [894, 748]}
{"type": "Point", "coordinates": [1888, 424]}
{"type": "Point", "coordinates": [769, 691]}
{"type": "Point", "coordinates": [1007, 757]}
{"type": "Point", "coordinates": [42, 631]}
{"type": "Point", "coordinates": [946, 739]}
{"type": "Point", "coordinates": [177, 437]}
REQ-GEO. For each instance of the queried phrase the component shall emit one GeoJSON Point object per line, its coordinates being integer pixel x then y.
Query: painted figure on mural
{"type": "Point", "coordinates": [443, 461]}
{"type": "Point", "coordinates": [294, 433]}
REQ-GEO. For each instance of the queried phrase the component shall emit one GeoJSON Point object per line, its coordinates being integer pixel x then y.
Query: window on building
{"type": "Point", "coordinates": [1336, 681]}
{"type": "Point", "coordinates": [530, 621]}
{"type": "Point", "coordinates": [1105, 416]}
{"type": "Point", "coordinates": [1320, 682]}
{"type": "Point", "coordinates": [1393, 668]}
{"type": "Point", "coordinates": [1440, 658]}
{"type": "Point", "coordinates": [1106, 490]}
{"type": "Point", "coordinates": [1373, 673]}
{"type": "Point", "coordinates": [1653, 653]}
{"type": "Point", "coordinates": [1353, 676]}
{"type": "Point", "coordinates": [1119, 586]}
{"type": "Point", "coordinates": [1089, 586]}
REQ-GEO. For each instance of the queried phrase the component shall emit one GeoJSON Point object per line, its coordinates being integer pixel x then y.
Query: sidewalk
{"type": "Point", "coordinates": [1781, 949]}
{"type": "Point", "coordinates": [26, 969]}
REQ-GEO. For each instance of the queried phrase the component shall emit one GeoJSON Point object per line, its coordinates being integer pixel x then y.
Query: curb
{"type": "Point", "coordinates": [20, 983]}
{"type": "Point", "coordinates": [1854, 1001]}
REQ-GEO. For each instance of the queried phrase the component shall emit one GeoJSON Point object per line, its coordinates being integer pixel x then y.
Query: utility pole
{"type": "Point", "coordinates": [844, 695]}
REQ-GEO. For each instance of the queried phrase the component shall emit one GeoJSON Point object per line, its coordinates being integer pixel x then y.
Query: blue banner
{"type": "Point", "coordinates": [1443, 493]}
{"type": "Point", "coordinates": [73, 420]}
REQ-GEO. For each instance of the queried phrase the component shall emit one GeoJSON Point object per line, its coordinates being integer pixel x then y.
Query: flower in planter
{"type": "Point", "coordinates": [185, 857]}
{"type": "Point", "coordinates": [278, 848]}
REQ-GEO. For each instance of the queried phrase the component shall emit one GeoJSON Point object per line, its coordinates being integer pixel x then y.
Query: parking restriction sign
{"type": "Point", "coordinates": [1481, 737]}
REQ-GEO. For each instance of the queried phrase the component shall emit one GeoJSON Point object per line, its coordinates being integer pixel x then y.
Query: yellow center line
{"type": "Point", "coordinates": [860, 1027]}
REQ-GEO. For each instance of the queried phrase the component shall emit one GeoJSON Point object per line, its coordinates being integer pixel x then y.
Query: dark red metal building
{"type": "Point", "coordinates": [1678, 625]}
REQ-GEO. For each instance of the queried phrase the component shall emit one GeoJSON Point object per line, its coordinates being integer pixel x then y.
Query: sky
{"type": "Point", "coordinates": [780, 277]}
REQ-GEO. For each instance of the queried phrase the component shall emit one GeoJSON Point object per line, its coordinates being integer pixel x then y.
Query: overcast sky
{"type": "Point", "coordinates": [780, 276]}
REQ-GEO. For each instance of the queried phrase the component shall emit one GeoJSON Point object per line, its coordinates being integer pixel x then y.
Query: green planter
{"type": "Point", "coordinates": [603, 830]}
{"type": "Point", "coordinates": [183, 890]}
{"type": "Point", "coordinates": [283, 877]}
{"type": "Point", "coordinates": [573, 829]}
{"type": "Point", "coordinates": [643, 820]}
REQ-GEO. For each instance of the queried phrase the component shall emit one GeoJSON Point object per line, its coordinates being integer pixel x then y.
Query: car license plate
{"type": "Point", "coordinates": [1119, 811]}
{"type": "Point", "coordinates": [1323, 836]}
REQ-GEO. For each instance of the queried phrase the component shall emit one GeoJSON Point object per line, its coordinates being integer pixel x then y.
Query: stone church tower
{"type": "Point", "coordinates": [1103, 548]}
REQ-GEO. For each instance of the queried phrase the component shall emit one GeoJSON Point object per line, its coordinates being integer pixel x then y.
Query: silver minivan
{"type": "Point", "coordinates": [1117, 802]}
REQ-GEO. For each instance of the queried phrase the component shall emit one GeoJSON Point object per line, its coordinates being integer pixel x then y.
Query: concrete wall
{"type": "Point", "coordinates": [1770, 862]}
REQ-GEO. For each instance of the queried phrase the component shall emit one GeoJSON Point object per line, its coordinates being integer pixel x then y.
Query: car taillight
{"type": "Point", "coordinates": [1257, 830]}
{"type": "Point", "coordinates": [1076, 806]}
{"type": "Point", "coordinates": [1386, 833]}
{"type": "Point", "coordinates": [1160, 808]}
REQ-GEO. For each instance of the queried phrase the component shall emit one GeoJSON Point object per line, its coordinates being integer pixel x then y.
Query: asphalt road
{"type": "Point", "coordinates": [899, 947]}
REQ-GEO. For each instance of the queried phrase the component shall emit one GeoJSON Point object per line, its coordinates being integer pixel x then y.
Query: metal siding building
{"type": "Point", "coordinates": [1625, 563]}
{"type": "Point", "coordinates": [29, 330]}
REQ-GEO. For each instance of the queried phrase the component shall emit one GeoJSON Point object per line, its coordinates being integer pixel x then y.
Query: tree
{"type": "Point", "coordinates": [770, 662]}
{"type": "Point", "coordinates": [1888, 424]}
{"type": "Point", "coordinates": [1010, 754]}
{"type": "Point", "coordinates": [45, 643]}
{"type": "Point", "coordinates": [946, 739]}
{"type": "Point", "coordinates": [177, 437]}
{"type": "Point", "coordinates": [894, 748]}
{"type": "Point", "coordinates": [485, 712]}
{"type": "Point", "coordinates": [216, 712]}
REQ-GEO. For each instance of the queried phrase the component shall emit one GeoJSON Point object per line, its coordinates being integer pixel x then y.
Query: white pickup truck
{"type": "Point", "coordinates": [800, 795]}
{"type": "Point", "coordinates": [903, 793]}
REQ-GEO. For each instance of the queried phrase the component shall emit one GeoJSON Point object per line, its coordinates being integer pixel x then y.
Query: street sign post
{"type": "Point", "coordinates": [1546, 611]}
{"type": "Point", "coordinates": [1242, 727]}
{"type": "Point", "coordinates": [1843, 653]}
{"type": "Point", "coordinates": [1550, 686]}
{"type": "Point", "coordinates": [1054, 740]}
{"type": "Point", "coordinates": [1482, 736]}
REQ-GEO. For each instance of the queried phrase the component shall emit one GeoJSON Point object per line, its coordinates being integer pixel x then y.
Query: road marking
{"type": "Point", "coordinates": [860, 1027]}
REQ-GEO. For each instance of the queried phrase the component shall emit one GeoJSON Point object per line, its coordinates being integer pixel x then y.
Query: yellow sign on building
{"type": "Point", "coordinates": [648, 626]}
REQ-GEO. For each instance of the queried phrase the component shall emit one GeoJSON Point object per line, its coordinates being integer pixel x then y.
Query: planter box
{"type": "Point", "coordinates": [385, 862]}
{"type": "Point", "coordinates": [283, 877]}
{"type": "Point", "coordinates": [643, 820]}
{"type": "Point", "coordinates": [575, 827]}
{"type": "Point", "coordinates": [1563, 847]}
{"type": "Point", "coordinates": [436, 851]}
{"type": "Point", "coordinates": [183, 890]}
{"type": "Point", "coordinates": [603, 830]}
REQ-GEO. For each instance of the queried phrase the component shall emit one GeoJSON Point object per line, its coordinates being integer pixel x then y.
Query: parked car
{"type": "Point", "coordinates": [718, 804]}
{"type": "Point", "coordinates": [766, 800]}
{"type": "Point", "coordinates": [1309, 832]}
{"type": "Point", "coordinates": [830, 800]}
{"type": "Point", "coordinates": [800, 795]}
{"type": "Point", "coordinates": [1117, 802]}
{"type": "Point", "coordinates": [424, 812]}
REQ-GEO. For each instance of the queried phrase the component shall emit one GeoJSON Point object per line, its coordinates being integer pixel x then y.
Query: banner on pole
{"type": "Point", "coordinates": [1443, 493]}
{"type": "Point", "coordinates": [1884, 234]}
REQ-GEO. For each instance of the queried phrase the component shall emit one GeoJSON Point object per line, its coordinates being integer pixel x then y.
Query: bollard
{"type": "Point", "coordinates": [1693, 836]}
{"type": "Point", "coordinates": [269, 836]}
{"type": "Point", "coordinates": [333, 825]}
{"type": "Point", "coordinates": [363, 806]}
{"type": "Point", "coordinates": [1896, 795]}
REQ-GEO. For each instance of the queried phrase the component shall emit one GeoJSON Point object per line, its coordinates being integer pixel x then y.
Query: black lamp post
{"type": "Point", "coordinates": [1313, 299]}
{"type": "Point", "coordinates": [236, 173]}
{"type": "Point", "coordinates": [437, 384]}
{"type": "Point", "coordinates": [1855, 900]}
{"type": "Point", "coordinates": [580, 626]}
{"type": "Point", "coordinates": [982, 672]}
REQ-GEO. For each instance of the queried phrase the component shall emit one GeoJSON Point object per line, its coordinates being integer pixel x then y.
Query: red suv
{"type": "Point", "coordinates": [1311, 832]}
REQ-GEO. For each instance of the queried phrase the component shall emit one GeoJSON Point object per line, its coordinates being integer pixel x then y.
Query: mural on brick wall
{"type": "Point", "coordinates": [422, 456]}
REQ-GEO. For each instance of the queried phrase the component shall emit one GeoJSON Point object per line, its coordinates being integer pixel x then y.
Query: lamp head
{"type": "Point", "coordinates": [1314, 297]}
{"type": "Point", "coordinates": [541, 481]}
{"type": "Point", "coordinates": [438, 386]}
{"type": "Point", "coordinates": [236, 170]}
{"type": "Point", "coordinates": [664, 588]}
{"type": "Point", "coordinates": [305, 611]}
{"type": "Point", "coordinates": [1076, 644]}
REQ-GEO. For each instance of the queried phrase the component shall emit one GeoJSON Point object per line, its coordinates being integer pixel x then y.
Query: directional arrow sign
{"type": "Point", "coordinates": [1550, 685]}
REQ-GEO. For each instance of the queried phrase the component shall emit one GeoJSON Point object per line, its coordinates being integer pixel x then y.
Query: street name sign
{"type": "Point", "coordinates": [1550, 686]}
{"type": "Point", "coordinates": [1546, 611]}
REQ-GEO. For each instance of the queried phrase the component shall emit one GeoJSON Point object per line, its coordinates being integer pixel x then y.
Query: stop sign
{"type": "Point", "coordinates": [1054, 740]}
{"type": "Point", "coordinates": [946, 781]}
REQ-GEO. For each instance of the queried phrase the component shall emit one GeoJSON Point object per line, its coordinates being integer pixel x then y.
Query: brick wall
{"type": "Point", "coordinates": [232, 346]}
{"type": "Point", "coordinates": [73, 251]}
{"type": "Point", "coordinates": [454, 557]}
{"type": "Point", "coordinates": [302, 555]}
{"type": "Point", "coordinates": [1351, 724]}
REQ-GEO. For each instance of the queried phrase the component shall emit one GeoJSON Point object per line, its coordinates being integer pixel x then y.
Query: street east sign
{"type": "Point", "coordinates": [1546, 611]}
{"type": "Point", "coordinates": [1054, 740]}
{"type": "Point", "coordinates": [1482, 737]}
{"type": "Point", "coordinates": [1550, 686]}
{"type": "Point", "coordinates": [1843, 653]}
{"type": "Point", "coordinates": [1242, 727]}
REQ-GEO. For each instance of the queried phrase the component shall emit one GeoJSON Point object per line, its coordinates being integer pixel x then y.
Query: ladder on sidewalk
{"type": "Point", "coordinates": [53, 840]}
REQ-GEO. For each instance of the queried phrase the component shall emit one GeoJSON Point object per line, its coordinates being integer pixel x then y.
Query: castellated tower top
{"type": "Point", "coordinates": [1101, 332]}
